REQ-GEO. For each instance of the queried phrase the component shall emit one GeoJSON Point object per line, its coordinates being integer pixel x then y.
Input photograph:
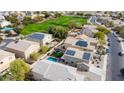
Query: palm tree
{"type": "Point", "coordinates": [58, 31]}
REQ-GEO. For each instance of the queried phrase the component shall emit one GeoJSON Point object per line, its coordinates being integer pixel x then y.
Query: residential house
{"type": "Point", "coordinates": [93, 41]}
{"type": "Point", "coordinates": [77, 56]}
{"type": "Point", "coordinates": [2, 18]}
{"type": "Point", "coordinates": [23, 48]}
{"type": "Point", "coordinates": [89, 30]}
{"type": "Point", "coordinates": [104, 20]}
{"type": "Point", "coordinates": [41, 38]}
{"type": "Point", "coordinates": [78, 43]}
{"type": "Point", "coordinates": [4, 23]}
{"type": "Point", "coordinates": [5, 59]}
{"type": "Point", "coordinates": [117, 22]}
{"type": "Point", "coordinates": [50, 71]}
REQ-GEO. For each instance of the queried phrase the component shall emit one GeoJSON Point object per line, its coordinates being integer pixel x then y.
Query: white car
{"type": "Point", "coordinates": [119, 40]}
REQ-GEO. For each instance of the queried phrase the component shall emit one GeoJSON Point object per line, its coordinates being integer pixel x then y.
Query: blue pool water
{"type": "Point", "coordinates": [7, 29]}
{"type": "Point", "coordinates": [52, 59]}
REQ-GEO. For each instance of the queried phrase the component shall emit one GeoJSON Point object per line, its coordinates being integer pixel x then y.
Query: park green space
{"type": "Point", "coordinates": [44, 26]}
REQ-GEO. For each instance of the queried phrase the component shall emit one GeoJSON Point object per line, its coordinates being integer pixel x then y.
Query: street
{"type": "Point", "coordinates": [115, 62]}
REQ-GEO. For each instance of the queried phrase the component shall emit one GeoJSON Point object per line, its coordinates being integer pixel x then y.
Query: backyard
{"type": "Point", "coordinates": [60, 21]}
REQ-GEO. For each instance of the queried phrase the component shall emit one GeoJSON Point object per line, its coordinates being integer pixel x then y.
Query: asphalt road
{"type": "Point", "coordinates": [4, 43]}
{"type": "Point", "coordinates": [93, 20]}
{"type": "Point", "coordinates": [115, 62]}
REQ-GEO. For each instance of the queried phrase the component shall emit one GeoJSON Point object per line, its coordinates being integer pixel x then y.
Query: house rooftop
{"type": "Point", "coordinates": [37, 36]}
{"type": "Point", "coordinates": [82, 43]}
{"type": "Point", "coordinates": [56, 71]}
{"type": "Point", "coordinates": [4, 54]}
{"type": "Point", "coordinates": [87, 38]}
{"type": "Point", "coordinates": [21, 45]}
{"type": "Point", "coordinates": [83, 55]}
{"type": "Point", "coordinates": [90, 26]}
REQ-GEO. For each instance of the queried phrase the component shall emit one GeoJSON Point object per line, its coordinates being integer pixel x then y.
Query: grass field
{"type": "Point", "coordinates": [43, 27]}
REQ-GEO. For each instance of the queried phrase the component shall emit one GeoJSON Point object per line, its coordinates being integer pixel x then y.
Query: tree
{"type": "Point", "coordinates": [87, 15]}
{"type": "Point", "coordinates": [46, 14]}
{"type": "Point", "coordinates": [58, 14]}
{"type": "Point", "coordinates": [51, 29]}
{"type": "Point", "coordinates": [110, 24]}
{"type": "Point", "coordinates": [1, 39]}
{"type": "Point", "coordinates": [18, 69]}
{"type": "Point", "coordinates": [13, 19]}
{"type": "Point", "coordinates": [80, 13]}
{"type": "Point", "coordinates": [102, 41]}
{"type": "Point", "coordinates": [103, 29]}
{"type": "Point", "coordinates": [27, 20]}
{"type": "Point", "coordinates": [120, 15]}
{"type": "Point", "coordinates": [72, 25]}
{"type": "Point", "coordinates": [58, 31]}
{"type": "Point", "coordinates": [99, 35]}
{"type": "Point", "coordinates": [37, 18]}
{"type": "Point", "coordinates": [44, 49]}
{"type": "Point", "coordinates": [35, 56]}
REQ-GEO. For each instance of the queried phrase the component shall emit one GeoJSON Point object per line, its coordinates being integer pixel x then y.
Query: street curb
{"type": "Point", "coordinates": [105, 67]}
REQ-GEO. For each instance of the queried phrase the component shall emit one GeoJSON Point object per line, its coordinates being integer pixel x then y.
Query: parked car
{"type": "Point", "coordinates": [108, 44]}
{"type": "Point", "coordinates": [122, 71]}
{"type": "Point", "coordinates": [119, 40]}
{"type": "Point", "coordinates": [107, 50]}
{"type": "Point", "coordinates": [121, 53]}
{"type": "Point", "coordinates": [108, 40]}
{"type": "Point", "coordinates": [122, 40]}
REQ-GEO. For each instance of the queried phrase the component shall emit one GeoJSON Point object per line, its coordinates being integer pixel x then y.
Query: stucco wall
{"type": "Point", "coordinates": [33, 48]}
{"type": "Point", "coordinates": [6, 62]}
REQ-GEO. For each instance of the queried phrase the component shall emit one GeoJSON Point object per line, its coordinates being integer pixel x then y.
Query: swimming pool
{"type": "Point", "coordinates": [52, 59]}
{"type": "Point", "coordinates": [7, 29]}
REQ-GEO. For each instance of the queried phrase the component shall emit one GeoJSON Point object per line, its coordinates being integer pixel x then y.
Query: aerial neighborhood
{"type": "Point", "coordinates": [61, 46]}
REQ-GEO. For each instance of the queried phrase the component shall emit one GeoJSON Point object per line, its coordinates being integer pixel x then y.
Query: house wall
{"type": "Point", "coordinates": [80, 48]}
{"type": "Point", "coordinates": [17, 53]}
{"type": "Point", "coordinates": [47, 39]}
{"type": "Point", "coordinates": [26, 54]}
{"type": "Point", "coordinates": [6, 62]}
{"type": "Point", "coordinates": [37, 76]}
{"type": "Point", "coordinates": [71, 59]}
{"type": "Point", "coordinates": [33, 48]}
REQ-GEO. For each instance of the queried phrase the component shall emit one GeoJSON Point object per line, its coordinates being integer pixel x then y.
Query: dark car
{"type": "Point", "coordinates": [122, 40]}
{"type": "Point", "coordinates": [122, 71]}
{"type": "Point", "coordinates": [108, 40]}
{"type": "Point", "coordinates": [108, 44]}
{"type": "Point", "coordinates": [121, 54]}
{"type": "Point", "coordinates": [107, 50]}
{"type": "Point", "coordinates": [119, 40]}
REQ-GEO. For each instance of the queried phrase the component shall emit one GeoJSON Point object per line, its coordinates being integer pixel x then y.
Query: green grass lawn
{"type": "Point", "coordinates": [43, 27]}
